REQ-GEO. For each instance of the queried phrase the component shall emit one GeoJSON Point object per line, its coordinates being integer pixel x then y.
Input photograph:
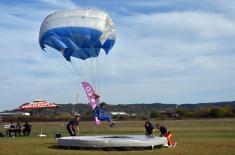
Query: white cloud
{"type": "Point", "coordinates": [167, 41]}
{"type": "Point", "coordinates": [66, 4]}
{"type": "Point", "coordinates": [162, 56]}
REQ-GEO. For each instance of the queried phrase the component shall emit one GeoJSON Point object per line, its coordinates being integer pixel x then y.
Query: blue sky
{"type": "Point", "coordinates": [170, 51]}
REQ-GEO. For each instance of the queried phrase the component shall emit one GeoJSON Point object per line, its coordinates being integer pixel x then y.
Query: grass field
{"type": "Point", "coordinates": [194, 137]}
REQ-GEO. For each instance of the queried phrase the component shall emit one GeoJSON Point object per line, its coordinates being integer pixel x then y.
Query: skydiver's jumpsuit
{"type": "Point", "coordinates": [99, 113]}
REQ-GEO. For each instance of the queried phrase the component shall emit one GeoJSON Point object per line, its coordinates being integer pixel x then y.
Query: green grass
{"type": "Point", "coordinates": [194, 137]}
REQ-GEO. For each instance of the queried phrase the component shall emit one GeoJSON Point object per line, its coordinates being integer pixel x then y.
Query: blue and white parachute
{"type": "Point", "coordinates": [80, 33]}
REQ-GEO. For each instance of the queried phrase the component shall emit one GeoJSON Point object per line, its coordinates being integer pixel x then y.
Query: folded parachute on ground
{"type": "Point", "coordinates": [79, 33]}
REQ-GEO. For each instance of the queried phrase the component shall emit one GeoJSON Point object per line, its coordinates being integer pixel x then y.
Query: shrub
{"type": "Point", "coordinates": [154, 114]}
{"type": "Point", "coordinates": [217, 112]}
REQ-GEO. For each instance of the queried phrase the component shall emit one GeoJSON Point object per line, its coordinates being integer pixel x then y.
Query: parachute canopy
{"type": "Point", "coordinates": [79, 33]}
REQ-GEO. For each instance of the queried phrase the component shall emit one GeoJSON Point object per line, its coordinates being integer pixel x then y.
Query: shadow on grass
{"type": "Point", "coordinates": [104, 149]}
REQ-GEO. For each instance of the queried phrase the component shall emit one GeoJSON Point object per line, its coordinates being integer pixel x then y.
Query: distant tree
{"type": "Point", "coordinates": [233, 110]}
{"type": "Point", "coordinates": [204, 112]}
{"type": "Point", "coordinates": [181, 112]}
{"type": "Point", "coordinates": [154, 114]}
{"type": "Point", "coordinates": [191, 114]}
{"type": "Point", "coordinates": [122, 118]}
{"type": "Point", "coordinates": [89, 112]}
{"type": "Point", "coordinates": [227, 111]}
{"type": "Point", "coordinates": [217, 112]}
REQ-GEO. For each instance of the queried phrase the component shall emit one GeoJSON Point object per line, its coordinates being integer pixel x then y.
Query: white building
{"type": "Point", "coordinates": [118, 113]}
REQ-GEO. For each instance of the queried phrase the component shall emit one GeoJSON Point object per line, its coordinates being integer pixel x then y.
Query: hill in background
{"type": "Point", "coordinates": [145, 110]}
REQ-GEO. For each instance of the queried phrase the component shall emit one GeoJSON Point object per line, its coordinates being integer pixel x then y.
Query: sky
{"type": "Point", "coordinates": [168, 51]}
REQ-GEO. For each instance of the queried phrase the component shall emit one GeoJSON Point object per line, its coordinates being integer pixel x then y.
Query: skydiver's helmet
{"type": "Point", "coordinates": [103, 104]}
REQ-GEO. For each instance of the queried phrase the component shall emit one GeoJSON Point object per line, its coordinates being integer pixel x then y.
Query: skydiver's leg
{"type": "Point", "coordinates": [95, 113]}
{"type": "Point", "coordinates": [70, 132]}
{"type": "Point", "coordinates": [105, 118]}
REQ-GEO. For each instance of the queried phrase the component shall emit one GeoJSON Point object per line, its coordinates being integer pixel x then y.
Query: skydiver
{"type": "Point", "coordinates": [99, 113]}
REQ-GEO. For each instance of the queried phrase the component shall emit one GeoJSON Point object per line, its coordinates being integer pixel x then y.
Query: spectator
{"type": "Point", "coordinates": [18, 129]}
{"type": "Point", "coordinates": [73, 126]}
{"type": "Point", "coordinates": [149, 128]}
{"type": "Point", "coordinates": [26, 129]}
{"type": "Point", "coordinates": [12, 128]}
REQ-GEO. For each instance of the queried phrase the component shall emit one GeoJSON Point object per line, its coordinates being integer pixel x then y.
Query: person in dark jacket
{"type": "Point", "coordinates": [73, 126]}
{"type": "Point", "coordinates": [162, 129]}
{"type": "Point", "coordinates": [149, 128]}
{"type": "Point", "coordinates": [167, 134]}
{"type": "Point", "coordinates": [100, 114]}
{"type": "Point", "coordinates": [18, 129]}
{"type": "Point", "coordinates": [26, 129]}
{"type": "Point", "coordinates": [12, 128]}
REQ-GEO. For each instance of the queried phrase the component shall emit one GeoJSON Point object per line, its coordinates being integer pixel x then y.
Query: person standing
{"type": "Point", "coordinates": [26, 129]}
{"type": "Point", "coordinates": [12, 128]}
{"type": "Point", "coordinates": [73, 126]}
{"type": "Point", "coordinates": [18, 129]}
{"type": "Point", "coordinates": [149, 128]}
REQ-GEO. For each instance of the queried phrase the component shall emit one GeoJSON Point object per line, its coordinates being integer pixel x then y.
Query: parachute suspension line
{"type": "Point", "coordinates": [81, 75]}
{"type": "Point", "coordinates": [91, 70]}
{"type": "Point", "coordinates": [96, 75]}
{"type": "Point", "coordinates": [69, 68]}
{"type": "Point", "coordinates": [93, 73]}
{"type": "Point", "coordinates": [60, 62]}
{"type": "Point", "coordinates": [88, 63]}
{"type": "Point", "coordinates": [85, 70]}
{"type": "Point", "coordinates": [66, 65]}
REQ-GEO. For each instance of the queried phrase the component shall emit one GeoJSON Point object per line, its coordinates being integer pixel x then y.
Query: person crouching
{"type": "Point", "coordinates": [73, 126]}
{"type": "Point", "coordinates": [167, 134]}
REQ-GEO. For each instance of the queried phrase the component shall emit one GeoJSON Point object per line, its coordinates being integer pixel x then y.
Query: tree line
{"type": "Point", "coordinates": [203, 112]}
{"type": "Point", "coordinates": [142, 111]}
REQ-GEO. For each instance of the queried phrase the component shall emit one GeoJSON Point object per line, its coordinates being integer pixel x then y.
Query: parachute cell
{"type": "Point", "coordinates": [79, 33]}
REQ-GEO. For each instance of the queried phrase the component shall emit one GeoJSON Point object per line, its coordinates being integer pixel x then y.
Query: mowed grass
{"type": "Point", "coordinates": [194, 137]}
